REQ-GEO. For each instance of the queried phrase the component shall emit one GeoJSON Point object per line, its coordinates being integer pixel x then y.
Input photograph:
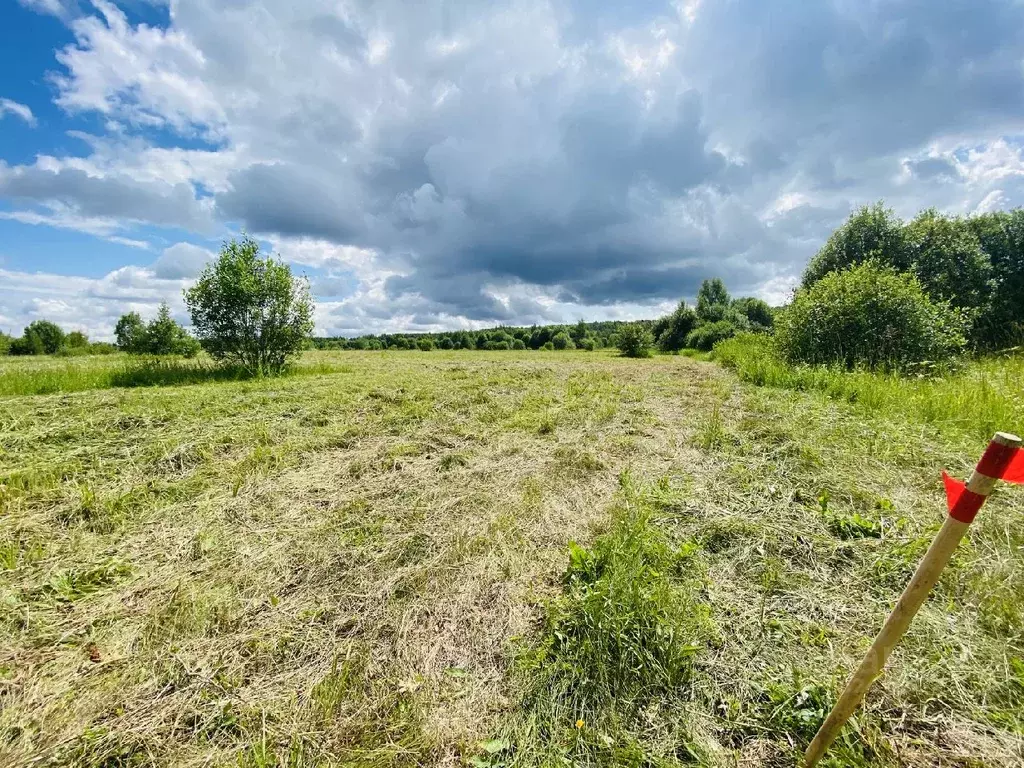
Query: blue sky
{"type": "Point", "coordinates": [461, 164]}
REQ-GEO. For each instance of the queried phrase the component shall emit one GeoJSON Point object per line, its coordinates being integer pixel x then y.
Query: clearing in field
{"type": "Point", "coordinates": [490, 558]}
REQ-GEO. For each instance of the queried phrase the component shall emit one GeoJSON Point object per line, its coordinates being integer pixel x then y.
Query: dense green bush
{"type": "Point", "coordinates": [161, 336]}
{"type": "Point", "coordinates": [548, 346]}
{"type": "Point", "coordinates": [946, 256]}
{"type": "Point", "coordinates": [870, 316]}
{"type": "Point", "coordinates": [757, 312]}
{"type": "Point", "coordinates": [635, 340]}
{"type": "Point", "coordinates": [562, 340]}
{"type": "Point", "coordinates": [1001, 235]}
{"type": "Point", "coordinates": [672, 330]}
{"type": "Point", "coordinates": [498, 346]}
{"type": "Point", "coordinates": [5, 343]}
{"type": "Point", "coordinates": [50, 335]}
{"type": "Point", "coordinates": [425, 345]}
{"type": "Point", "coordinates": [870, 232]}
{"type": "Point", "coordinates": [587, 344]}
{"type": "Point", "coordinates": [706, 335]}
{"type": "Point", "coordinates": [29, 344]}
{"type": "Point", "coordinates": [518, 344]}
{"type": "Point", "coordinates": [76, 340]}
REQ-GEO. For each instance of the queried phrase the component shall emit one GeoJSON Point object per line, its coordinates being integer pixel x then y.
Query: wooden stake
{"type": "Point", "coordinates": [1000, 450]}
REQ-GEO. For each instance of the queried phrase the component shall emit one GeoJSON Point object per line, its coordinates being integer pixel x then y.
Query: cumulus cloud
{"type": "Point", "coordinates": [537, 161]}
{"type": "Point", "coordinates": [91, 305]}
{"type": "Point", "coordinates": [181, 261]}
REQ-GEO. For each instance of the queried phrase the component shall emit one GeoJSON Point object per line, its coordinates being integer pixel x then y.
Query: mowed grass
{"type": "Point", "coordinates": [495, 559]}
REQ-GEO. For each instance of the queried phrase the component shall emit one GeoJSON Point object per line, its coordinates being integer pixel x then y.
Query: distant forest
{"type": "Point", "coordinates": [581, 335]}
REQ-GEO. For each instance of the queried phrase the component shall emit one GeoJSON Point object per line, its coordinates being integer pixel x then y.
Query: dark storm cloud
{"type": "Point", "coordinates": [171, 205]}
{"type": "Point", "coordinates": [289, 200]}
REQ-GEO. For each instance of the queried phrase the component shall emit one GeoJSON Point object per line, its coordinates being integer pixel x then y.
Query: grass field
{"type": "Point", "coordinates": [495, 559]}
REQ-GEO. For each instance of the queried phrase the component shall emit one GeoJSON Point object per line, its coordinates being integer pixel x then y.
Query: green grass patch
{"type": "Point", "coordinates": [983, 397]}
{"type": "Point", "coordinates": [618, 649]}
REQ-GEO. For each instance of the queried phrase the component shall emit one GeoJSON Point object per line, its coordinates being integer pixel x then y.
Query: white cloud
{"type": "Point", "coordinates": [181, 261]}
{"type": "Point", "coordinates": [9, 107]}
{"type": "Point", "coordinates": [507, 162]}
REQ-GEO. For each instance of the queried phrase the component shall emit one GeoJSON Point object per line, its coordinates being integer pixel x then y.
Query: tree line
{"type": "Point", "coordinates": [880, 292]}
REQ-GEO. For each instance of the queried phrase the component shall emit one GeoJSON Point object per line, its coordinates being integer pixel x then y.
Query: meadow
{"type": "Point", "coordinates": [497, 559]}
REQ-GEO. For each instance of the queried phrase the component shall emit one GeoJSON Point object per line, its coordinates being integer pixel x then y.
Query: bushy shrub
{"type": "Point", "coordinates": [706, 335]}
{"type": "Point", "coordinates": [518, 344]}
{"type": "Point", "coordinates": [29, 344]}
{"type": "Point", "coordinates": [50, 335]}
{"type": "Point", "coordinates": [869, 316]}
{"type": "Point", "coordinates": [5, 343]}
{"type": "Point", "coordinates": [635, 340]}
{"type": "Point", "coordinates": [757, 313]}
{"type": "Point", "coordinates": [1001, 235]}
{"type": "Point", "coordinates": [561, 340]}
{"type": "Point", "coordinates": [447, 343]}
{"type": "Point", "coordinates": [872, 232]}
{"type": "Point", "coordinates": [164, 336]}
{"type": "Point", "coordinates": [947, 258]}
{"type": "Point", "coordinates": [425, 345]}
{"type": "Point", "coordinates": [548, 346]}
{"type": "Point", "coordinates": [587, 344]}
{"type": "Point", "coordinates": [76, 339]}
{"type": "Point", "coordinates": [161, 336]}
{"type": "Point", "coordinates": [498, 346]}
{"type": "Point", "coordinates": [676, 327]}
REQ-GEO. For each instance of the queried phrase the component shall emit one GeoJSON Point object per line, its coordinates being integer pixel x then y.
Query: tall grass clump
{"type": "Point", "coordinates": [49, 377]}
{"type": "Point", "coordinates": [977, 399]}
{"type": "Point", "coordinates": [618, 647]}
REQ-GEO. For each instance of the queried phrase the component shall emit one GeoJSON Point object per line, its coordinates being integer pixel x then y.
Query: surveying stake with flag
{"type": "Point", "coordinates": [1002, 460]}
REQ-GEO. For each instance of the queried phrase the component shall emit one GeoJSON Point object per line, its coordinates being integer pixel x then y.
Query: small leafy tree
{"type": "Point", "coordinates": [871, 316]}
{"type": "Point", "coordinates": [5, 343]}
{"type": "Point", "coordinates": [249, 310]}
{"type": "Point", "coordinates": [635, 340]}
{"type": "Point", "coordinates": [49, 334]}
{"type": "Point", "coordinates": [76, 340]}
{"type": "Point", "coordinates": [712, 301]}
{"type": "Point", "coordinates": [425, 345]}
{"type": "Point", "coordinates": [164, 336]}
{"type": "Point", "coordinates": [130, 333]}
{"type": "Point", "coordinates": [518, 344]}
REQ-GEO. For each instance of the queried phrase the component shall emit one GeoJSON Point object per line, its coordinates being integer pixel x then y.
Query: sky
{"type": "Point", "coordinates": [440, 164]}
